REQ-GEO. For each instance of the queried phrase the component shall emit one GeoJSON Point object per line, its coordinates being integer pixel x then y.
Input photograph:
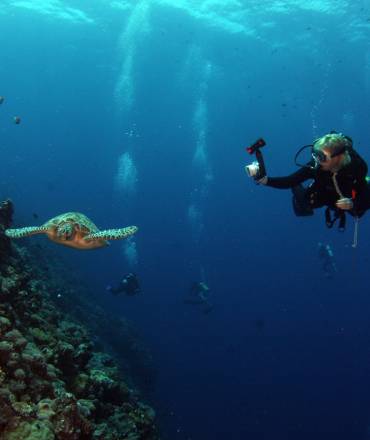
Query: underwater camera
{"type": "Point", "coordinates": [257, 168]}
{"type": "Point", "coordinates": [252, 169]}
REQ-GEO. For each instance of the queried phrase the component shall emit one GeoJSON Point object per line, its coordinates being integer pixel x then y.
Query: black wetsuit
{"type": "Point", "coordinates": [200, 295]}
{"type": "Point", "coordinates": [351, 180]}
{"type": "Point", "coordinates": [129, 285]}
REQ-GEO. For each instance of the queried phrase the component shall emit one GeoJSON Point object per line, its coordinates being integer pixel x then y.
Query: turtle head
{"type": "Point", "coordinates": [65, 231]}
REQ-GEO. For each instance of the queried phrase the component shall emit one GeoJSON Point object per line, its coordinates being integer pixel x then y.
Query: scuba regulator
{"type": "Point", "coordinates": [257, 168]}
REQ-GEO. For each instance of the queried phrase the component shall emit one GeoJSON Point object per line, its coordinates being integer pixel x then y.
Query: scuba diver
{"type": "Point", "coordinates": [199, 294]}
{"type": "Point", "coordinates": [129, 286]}
{"type": "Point", "coordinates": [326, 256]}
{"type": "Point", "coordinates": [338, 175]}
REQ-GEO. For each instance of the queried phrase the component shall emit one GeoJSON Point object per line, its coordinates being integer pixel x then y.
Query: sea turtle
{"type": "Point", "coordinates": [75, 230]}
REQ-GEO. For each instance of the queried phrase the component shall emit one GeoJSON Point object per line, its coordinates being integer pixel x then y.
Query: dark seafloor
{"type": "Point", "coordinates": [56, 379]}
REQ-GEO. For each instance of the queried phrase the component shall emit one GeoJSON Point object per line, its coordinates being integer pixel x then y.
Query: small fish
{"type": "Point", "coordinates": [2, 99]}
{"type": "Point", "coordinates": [34, 215]}
{"type": "Point", "coordinates": [17, 120]}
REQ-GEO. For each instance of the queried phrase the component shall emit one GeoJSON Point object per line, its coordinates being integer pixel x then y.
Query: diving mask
{"type": "Point", "coordinates": [318, 156]}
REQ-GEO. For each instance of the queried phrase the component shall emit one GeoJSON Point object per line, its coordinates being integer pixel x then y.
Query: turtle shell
{"type": "Point", "coordinates": [76, 219]}
{"type": "Point", "coordinates": [71, 228]}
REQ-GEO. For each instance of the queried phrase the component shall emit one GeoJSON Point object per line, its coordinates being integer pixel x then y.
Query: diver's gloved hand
{"type": "Point", "coordinates": [262, 181]}
{"type": "Point", "coordinates": [344, 203]}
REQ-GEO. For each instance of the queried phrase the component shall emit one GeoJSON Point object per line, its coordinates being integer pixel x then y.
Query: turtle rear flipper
{"type": "Point", "coordinates": [25, 232]}
{"type": "Point", "coordinates": [112, 234]}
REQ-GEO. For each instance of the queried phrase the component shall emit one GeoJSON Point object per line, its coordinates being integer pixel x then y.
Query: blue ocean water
{"type": "Point", "coordinates": [139, 112]}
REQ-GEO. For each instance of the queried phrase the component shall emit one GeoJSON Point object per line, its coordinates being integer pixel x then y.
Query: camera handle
{"type": "Point", "coordinates": [261, 164]}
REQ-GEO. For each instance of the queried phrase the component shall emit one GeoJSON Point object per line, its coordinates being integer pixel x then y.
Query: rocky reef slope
{"type": "Point", "coordinates": [54, 384]}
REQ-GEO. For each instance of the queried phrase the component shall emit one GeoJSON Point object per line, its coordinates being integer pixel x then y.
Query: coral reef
{"type": "Point", "coordinates": [54, 384]}
{"type": "Point", "coordinates": [112, 333]}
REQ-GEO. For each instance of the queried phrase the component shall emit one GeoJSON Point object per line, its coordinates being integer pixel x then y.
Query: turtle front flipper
{"type": "Point", "coordinates": [113, 234]}
{"type": "Point", "coordinates": [25, 232]}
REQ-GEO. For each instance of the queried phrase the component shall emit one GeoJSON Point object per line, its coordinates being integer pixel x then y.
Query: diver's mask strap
{"type": "Point", "coordinates": [339, 152]}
